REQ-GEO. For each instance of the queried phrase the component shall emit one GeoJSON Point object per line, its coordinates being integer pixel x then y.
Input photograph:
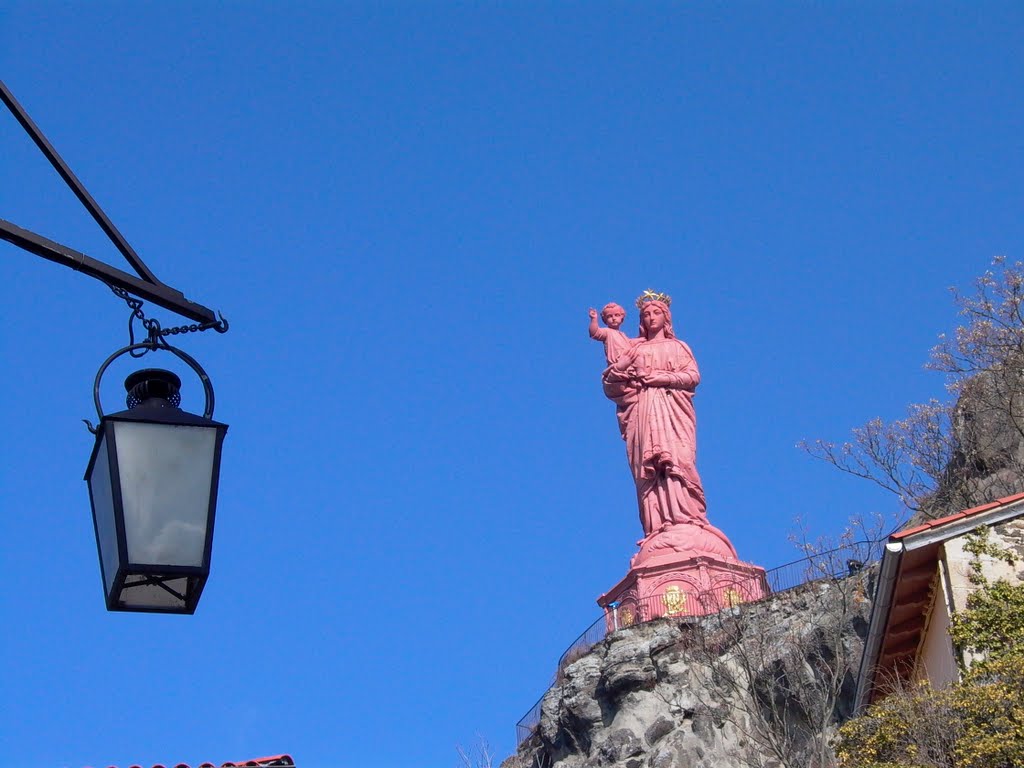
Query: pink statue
{"type": "Point", "coordinates": [685, 565]}
{"type": "Point", "coordinates": [652, 381]}
{"type": "Point", "coordinates": [615, 341]}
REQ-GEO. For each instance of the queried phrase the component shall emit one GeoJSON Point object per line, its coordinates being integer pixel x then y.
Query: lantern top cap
{"type": "Point", "coordinates": [153, 387]}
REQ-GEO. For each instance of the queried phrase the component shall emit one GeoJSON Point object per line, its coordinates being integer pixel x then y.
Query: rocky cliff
{"type": "Point", "coordinates": [758, 685]}
{"type": "Point", "coordinates": [987, 432]}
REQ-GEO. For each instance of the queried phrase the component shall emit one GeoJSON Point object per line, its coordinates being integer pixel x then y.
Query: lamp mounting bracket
{"type": "Point", "coordinates": [145, 285]}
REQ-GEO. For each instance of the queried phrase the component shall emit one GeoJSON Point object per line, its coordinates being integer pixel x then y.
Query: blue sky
{"type": "Point", "coordinates": [405, 210]}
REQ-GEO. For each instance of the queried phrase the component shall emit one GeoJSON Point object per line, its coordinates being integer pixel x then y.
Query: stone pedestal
{"type": "Point", "coordinates": [668, 585]}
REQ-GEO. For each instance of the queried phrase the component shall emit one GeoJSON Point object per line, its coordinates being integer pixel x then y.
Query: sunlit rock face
{"type": "Point", "coordinates": [694, 692]}
{"type": "Point", "coordinates": [988, 431]}
{"type": "Point", "coordinates": [987, 423]}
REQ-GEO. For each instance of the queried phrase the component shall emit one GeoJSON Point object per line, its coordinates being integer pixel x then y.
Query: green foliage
{"type": "Point", "coordinates": [977, 544]}
{"type": "Point", "coordinates": [993, 623]}
{"type": "Point", "coordinates": [978, 723]}
{"type": "Point", "coordinates": [913, 726]}
{"type": "Point", "coordinates": [991, 703]}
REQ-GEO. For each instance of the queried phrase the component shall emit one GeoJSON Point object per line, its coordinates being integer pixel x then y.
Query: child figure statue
{"type": "Point", "coordinates": [615, 341]}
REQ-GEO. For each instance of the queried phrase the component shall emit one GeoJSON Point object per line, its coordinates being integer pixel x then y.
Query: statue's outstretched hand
{"type": "Point", "coordinates": [592, 313]}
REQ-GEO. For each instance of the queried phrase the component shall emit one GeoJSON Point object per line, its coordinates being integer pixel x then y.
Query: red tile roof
{"type": "Point", "coordinates": [958, 516]}
{"type": "Point", "coordinates": [274, 761]}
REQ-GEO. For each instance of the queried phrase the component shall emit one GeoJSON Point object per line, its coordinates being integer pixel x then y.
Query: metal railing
{"type": "Point", "coordinates": [834, 563]}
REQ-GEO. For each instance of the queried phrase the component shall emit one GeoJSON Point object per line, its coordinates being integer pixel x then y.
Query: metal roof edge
{"type": "Point", "coordinates": [963, 524]}
{"type": "Point", "coordinates": [879, 618]}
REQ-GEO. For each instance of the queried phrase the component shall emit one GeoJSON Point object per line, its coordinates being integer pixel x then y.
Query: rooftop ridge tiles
{"type": "Point", "coordinates": [271, 761]}
{"type": "Point", "coordinates": [1001, 502]}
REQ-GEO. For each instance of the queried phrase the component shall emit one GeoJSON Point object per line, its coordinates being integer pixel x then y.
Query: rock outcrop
{"type": "Point", "coordinates": [987, 432]}
{"type": "Point", "coordinates": [758, 685]}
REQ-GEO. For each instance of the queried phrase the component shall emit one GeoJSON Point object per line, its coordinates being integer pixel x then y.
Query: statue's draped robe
{"type": "Point", "coordinates": [659, 425]}
{"type": "Point", "coordinates": [615, 342]}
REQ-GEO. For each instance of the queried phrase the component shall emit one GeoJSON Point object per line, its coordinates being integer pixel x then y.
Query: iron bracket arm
{"type": "Point", "coordinates": [145, 286]}
{"type": "Point", "coordinates": [158, 293]}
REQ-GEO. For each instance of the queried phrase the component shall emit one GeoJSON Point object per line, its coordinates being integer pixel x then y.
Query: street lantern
{"type": "Point", "coordinates": [153, 486]}
{"type": "Point", "coordinates": [154, 468]}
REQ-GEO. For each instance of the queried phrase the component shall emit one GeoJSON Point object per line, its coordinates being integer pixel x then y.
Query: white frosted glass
{"type": "Point", "coordinates": [103, 512]}
{"type": "Point", "coordinates": [150, 595]}
{"type": "Point", "coordinates": [165, 486]}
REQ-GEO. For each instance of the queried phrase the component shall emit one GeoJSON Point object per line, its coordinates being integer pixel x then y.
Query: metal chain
{"type": "Point", "coordinates": [155, 332]}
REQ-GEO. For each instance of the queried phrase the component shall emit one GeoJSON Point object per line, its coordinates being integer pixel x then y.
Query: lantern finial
{"type": "Point", "coordinates": [153, 387]}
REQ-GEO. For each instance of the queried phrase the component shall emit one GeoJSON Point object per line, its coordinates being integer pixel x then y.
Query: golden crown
{"type": "Point", "coordinates": [650, 295]}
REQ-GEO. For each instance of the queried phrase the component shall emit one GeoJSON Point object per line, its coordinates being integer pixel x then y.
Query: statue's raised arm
{"type": "Point", "coordinates": [614, 340]}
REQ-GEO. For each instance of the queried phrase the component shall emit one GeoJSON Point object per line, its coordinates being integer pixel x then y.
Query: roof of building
{"type": "Point", "coordinates": [274, 761]}
{"type": "Point", "coordinates": [905, 582]}
{"type": "Point", "coordinates": [932, 524]}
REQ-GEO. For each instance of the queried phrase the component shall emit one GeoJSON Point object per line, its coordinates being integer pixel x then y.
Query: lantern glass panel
{"type": "Point", "coordinates": [137, 594]}
{"type": "Point", "coordinates": [103, 513]}
{"type": "Point", "coordinates": [166, 473]}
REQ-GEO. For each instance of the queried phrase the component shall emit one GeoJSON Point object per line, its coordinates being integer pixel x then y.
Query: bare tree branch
{"type": "Point", "coordinates": [948, 455]}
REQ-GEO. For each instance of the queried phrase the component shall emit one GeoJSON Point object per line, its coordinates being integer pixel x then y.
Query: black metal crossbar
{"type": "Point", "coordinates": [145, 286]}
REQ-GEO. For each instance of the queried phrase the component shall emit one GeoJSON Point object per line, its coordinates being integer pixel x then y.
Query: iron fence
{"type": "Point", "coordinates": [835, 563]}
